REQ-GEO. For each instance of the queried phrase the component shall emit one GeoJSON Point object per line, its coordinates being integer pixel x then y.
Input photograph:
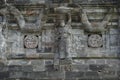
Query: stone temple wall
{"type": "Point", "coordinates": [59, 40]}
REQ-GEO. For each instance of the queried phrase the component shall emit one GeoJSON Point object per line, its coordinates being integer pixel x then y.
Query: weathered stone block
{"type": "Point", "coordinates": [38, 65]}
{"type": "Point", "coordinates": [95, 67]}
{"type": "Point", "coordinates": [34, 55]}
{"type": "Point", "coordinates": [48, 62]}
{"type": "Point", "coordinates": [15, 56]}
{"type": "Point", "coordinates": [17, 62]}
{"type": "Point", "coordinates": [90, 61]}
{"type": "Point", "coordinates": [98, 78]}
{"type": "Point", "coordinates": [114, 31]}
{"type": "Point", "coordinates": [65, 61]}
{"type": "Point", "coordinates": [79, 61]}
{"type": "Point", "coordinates": [27, 68]}
{"type": "Point", "coordinates": [114, 40]}
{"type": "Point", "coordinates": [67, 67]}
{"type": "Point", "coordinates": [113, 61]}
{"type": "Point", "coordinates": [72, 79]}
{"type": "Point", "coordinates": [80, 67]}
{"type": "Point", "coordinates": [100, 61]}
{"type": "Point", "coordinates": [49, 68]}
{"type": "Point", "coordinates": [15, 68]}
{"type": "Point", "coordinates": [111, 67]}
{"type": "Point", "coordinates": [36, 75]}
{"type": "Point", "coordinates": [3, 67]}
{"type": "Point", "coordinates": [73, 75]}
{"type": "Point", "coordinates": [4, 75]}
{"type": "Point", "coordinates": [17, 74]}
{"type": "Point", "coordinates": [108, 74]}
{"type": "Point", "coordinates": [56, 75]}
{"type": "Point", "coordinates": [46, 55]}
{"type": "Point", "coordinates": [118, 73]}
{"type": "Point", "coordinates": [116, 78]}
{"type": "Point", "coordinates": [91, 74]}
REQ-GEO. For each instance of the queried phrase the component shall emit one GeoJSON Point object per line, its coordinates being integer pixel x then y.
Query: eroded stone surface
{"type": "Point", "coordinates": [56, 40]}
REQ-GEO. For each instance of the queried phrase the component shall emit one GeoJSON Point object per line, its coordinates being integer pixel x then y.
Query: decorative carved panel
{"type": "Point", "coordinates": [95, 40]}
{"type": "Point", "coordinates": [31, 41]}
{"type": "Point", "coordinates": [75, 43]}
{"type": "Point", "coordinates": [47, 40]}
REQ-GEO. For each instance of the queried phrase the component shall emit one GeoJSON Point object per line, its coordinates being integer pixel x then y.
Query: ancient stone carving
{"type": "Point", "coordinates": [2, 36]}
{"type": "Point", "coordinates": [20, 19]}
{"type": "Point", "coordinates": [96, 26]}
{"type": "Point", "coordinates": [95, 40]}
{"type": "Point", "coordinates": [47, 40]}
{"type": "Point", "coordinates": [15, 42]}
{"type": "Point", "coordinates": [67, 8]}
{"type": "Point", "coordinates": [17, 14]}
{"type": "Point", "coordinates": [35, 26]}
{"type": "Point", "coordinates": [63, 9]}
{"type": "Point", "coordinates": [2, 41]}
{"type": "Point", "coordinates": [63, 31]}
{"type": "Point", "coordinates": [76, 44]}
{"type": "Point", "coordinates": [31, 41]}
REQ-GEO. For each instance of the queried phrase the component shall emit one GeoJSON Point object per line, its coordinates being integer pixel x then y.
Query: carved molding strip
{"type": "Point", "coordinates": [52, 57]}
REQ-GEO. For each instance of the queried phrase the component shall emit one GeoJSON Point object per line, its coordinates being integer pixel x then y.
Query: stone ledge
{"type": "Point", "coordinates": [56, 75]}
{"type": "Point", "coordinates": [51, 56]}
{"type": "Point", "coordinates": [32, 56]}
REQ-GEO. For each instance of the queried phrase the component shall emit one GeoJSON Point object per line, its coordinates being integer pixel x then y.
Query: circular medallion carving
{"type": "Point", "coordinates": [95, 41]}
{"type": "Point", "coordinates": [31, 41]}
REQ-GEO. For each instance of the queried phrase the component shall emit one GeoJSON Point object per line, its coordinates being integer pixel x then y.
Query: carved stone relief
{"type": "Point", "coordinates": [47, 40]}
{"type": "Point", "coordinates": [33, 21]}
{"type": "Point", "coordinates": [14, 41]}
{"type": "Point", "coordinates": [3, 39]}
{"type": "Point", "coordinates": [64, 33]}
{"type": "Point", "coordinates": [75, 43]}
{"type": "Point", "coordinates": [22, 22]}
{"type": "Point", "coordinates": [95, 40]}
{"type": "Point", "coordinates": [31, 41]}
{"type": "Point", "coordinates": [96, 26]}
{"type": "Point", "coordinates": [69, 41]}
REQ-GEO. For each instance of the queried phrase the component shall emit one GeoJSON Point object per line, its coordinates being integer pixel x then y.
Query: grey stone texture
{"type": "Point", "coordinates": [59, 40]}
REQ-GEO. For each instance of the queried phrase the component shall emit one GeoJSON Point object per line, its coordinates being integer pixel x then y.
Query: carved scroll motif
{"type": "Point", "coordinates": [36, 26]}
{"type": "Point", "coordinates": [96, 26]}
